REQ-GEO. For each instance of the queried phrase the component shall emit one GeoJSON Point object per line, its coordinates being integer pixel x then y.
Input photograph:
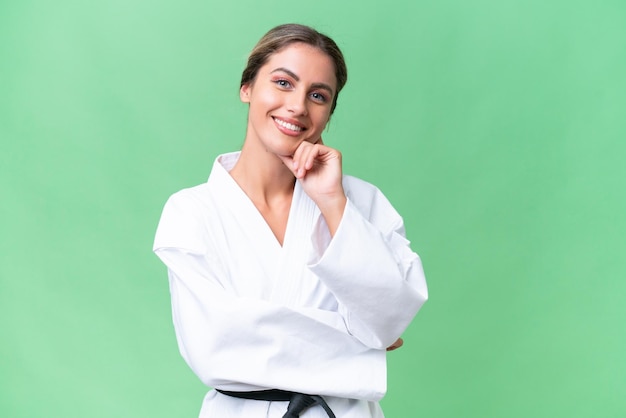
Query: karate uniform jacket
{"type": "Point", "coordinates": [314, 315]}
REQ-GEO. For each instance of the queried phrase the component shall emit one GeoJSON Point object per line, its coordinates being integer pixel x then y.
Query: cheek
{"type": "Point", "coordinates": [263, 101]}
{"type": "Point", "coordinates": [323, 119]}
{"type": "Point", "coordinates": [268, 99]}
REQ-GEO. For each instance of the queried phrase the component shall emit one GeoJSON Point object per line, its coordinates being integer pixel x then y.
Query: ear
{"type": "Point", "coordinates": [244, 93]}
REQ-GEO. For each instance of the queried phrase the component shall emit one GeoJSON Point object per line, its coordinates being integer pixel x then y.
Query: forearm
{"type": "Point", "coordinates": [332, 210]}
{"type": "Point", "coordinates": [378, 281]}
{"type": "Point", "coordinates": [234, 343]}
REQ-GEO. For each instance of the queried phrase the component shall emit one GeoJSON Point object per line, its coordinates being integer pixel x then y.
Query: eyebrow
{"type": "Point", "coordinates": [295, 77]}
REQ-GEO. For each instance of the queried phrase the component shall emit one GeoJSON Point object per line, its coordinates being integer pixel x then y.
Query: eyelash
{"type": "Point", "coordinates": [281, 82]}
{"type": "Point", "coordinates": [322, 98]}
{"type": "Point", "coordinates": [316, 96]}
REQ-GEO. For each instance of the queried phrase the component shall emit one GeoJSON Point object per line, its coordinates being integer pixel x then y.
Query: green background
{"type": "Point", "coordinates": [497, 128]}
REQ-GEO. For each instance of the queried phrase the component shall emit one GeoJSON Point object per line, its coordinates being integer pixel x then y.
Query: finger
{"type": "Point", "coordinates": [309, 156]}
{"type": "Point", "coordinates": [320, 153]}
{"type": "Point", "coordinates": [297, 155]}
{"type": "Point", "coordinates": [399, 343]}
{"type": "Point", "coordinates": [312, 154]}
{"type": "Point", "coordinates": [301, 157]}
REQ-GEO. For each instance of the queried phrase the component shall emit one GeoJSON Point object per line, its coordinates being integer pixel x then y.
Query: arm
{"type": "Point", "coordinates": [370, 268]}
{"type": "Point", "coordinates": [239, 343]}
{"type": "Point", "coordinates": [246, 344]}
{"type": "Point", "coordinates": [361, 253]}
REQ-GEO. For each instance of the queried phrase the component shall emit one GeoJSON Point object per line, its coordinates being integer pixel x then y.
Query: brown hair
{"type": "Point", "coordinates": [284, 35]}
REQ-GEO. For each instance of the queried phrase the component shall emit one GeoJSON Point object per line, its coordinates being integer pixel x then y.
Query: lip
{"type": "Point", "coordinates": [286, 130]}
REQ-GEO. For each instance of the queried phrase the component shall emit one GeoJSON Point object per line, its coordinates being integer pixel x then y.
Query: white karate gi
{"type": "Point", "coordinates": [313, 316]}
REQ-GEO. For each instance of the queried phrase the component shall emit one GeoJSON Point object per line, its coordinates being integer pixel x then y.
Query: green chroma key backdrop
{"type": "Point", "coordinates": [496, 127]}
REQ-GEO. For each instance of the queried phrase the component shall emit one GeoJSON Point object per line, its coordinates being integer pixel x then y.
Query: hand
{"type": "Point", "coordinates": [399, 343]}
{"type": "Point", "coordinates": [318, 168]}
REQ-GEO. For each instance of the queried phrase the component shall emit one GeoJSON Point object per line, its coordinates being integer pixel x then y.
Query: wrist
{"type": "Point", "coordinates": [332, 210]}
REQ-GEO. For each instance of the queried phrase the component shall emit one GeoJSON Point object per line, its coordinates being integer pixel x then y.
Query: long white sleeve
{"type": "Point", "coordinates": [228, 340]}
{"type": "Point", "coordinates": [370, 268]}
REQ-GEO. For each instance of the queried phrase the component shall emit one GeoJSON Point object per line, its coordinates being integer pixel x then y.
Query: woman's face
{"type": "Point", "coordinates": [290, 98]}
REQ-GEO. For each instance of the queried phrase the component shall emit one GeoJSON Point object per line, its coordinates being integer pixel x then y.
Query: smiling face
{"type": "Point", "coordinates": [290, 99]}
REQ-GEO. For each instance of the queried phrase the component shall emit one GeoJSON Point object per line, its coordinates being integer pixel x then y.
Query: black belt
{"type": "Point", "coordinates": [298, 402]}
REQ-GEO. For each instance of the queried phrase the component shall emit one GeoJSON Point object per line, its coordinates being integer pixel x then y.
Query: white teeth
{"type": "Point", "coordinates": [288, 125]}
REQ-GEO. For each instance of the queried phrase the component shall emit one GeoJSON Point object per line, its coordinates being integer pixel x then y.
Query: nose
{"type": "Point", "coordinates": [297, 103]}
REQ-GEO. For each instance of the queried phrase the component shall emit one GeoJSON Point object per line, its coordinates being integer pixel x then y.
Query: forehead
{"type": "Point", "coordinates": [309, 63]}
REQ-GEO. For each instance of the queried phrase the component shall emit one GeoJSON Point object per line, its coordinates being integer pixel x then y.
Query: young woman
{"type": "Point", "coordinates": [289, 280]}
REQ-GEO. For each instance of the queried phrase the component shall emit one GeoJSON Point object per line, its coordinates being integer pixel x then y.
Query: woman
{"type": "Point", "coordinates": [287, 277]}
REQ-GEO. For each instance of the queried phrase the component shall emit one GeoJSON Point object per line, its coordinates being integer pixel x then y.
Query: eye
{"type": "Point", "coordinates": [319, 97]}
{"type": "Point", "coordinates": [281, 82]}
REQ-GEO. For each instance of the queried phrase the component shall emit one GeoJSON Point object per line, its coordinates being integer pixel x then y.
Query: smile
{"type": "Point", "coordinates": [290, 126]}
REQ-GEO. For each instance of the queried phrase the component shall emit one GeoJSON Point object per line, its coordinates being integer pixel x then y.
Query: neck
{"type": "Point", "coordinates": [262, 175]}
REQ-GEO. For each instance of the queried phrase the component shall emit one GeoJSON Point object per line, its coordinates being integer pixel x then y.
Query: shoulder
{"type": "Point", "coordinates": [357, 185]}
{"type": "Point", "coordinates": [182, 220]}
{"type": "Point", "coordinates": [202, 195]}
{"type": "Point", "coordinates": [362, 192]}
{"type": "Point", "coordinates": [189, 198]}
{"type": "Point", "coordinates": [189, 204]}
{"type": "Point", "coordinates": [370, 201]}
